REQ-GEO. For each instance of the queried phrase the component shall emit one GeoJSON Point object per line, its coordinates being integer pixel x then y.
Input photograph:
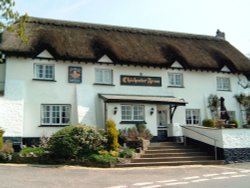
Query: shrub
{"type": "Point", "coordinates": [112, 133]}
{"type": "Point", "coordinates": [102, 159]}
{"type": "Point", "coordinates": [1, 138]}
{"type": "Point", "coordinates": [136, 133]}
{"type": "Point", "coordinates": [127, 153]}
{"type": "Point", "coordinates": [235, 122]}
{"type": "Point", "coordinates": [114, 153]}
{"type": "Point", "coordinates": [6, 151]}
{"type": "Point", "coordinates": [208, 123]}
{"type": "Point", "coordinates": [32, 152]}
{"type": "Point", "coordinates": [76, 141]}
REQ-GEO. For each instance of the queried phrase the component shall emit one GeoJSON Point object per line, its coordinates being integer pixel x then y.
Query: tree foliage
{"type": "Point", "coordinates": [9, 17]}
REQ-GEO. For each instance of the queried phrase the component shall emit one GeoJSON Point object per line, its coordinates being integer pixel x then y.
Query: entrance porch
{"type": "Point", "coordinates": [156, 112]}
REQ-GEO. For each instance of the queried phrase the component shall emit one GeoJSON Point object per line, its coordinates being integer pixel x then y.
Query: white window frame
{"type": "Point", "coordinates": [133, 112]}
{"type": "Point", "coordinates": [175, 79]}
{"type": "Point", "coordinates": [42, 74]}
{"type": "Point", "coordinates": [223, 84]}
{"type": "Point", "coordinates": [50, 116]}
{"type": "Point", "coordinates": [104, 76]}
{"type": "Point", "coordinates": [193, 117]}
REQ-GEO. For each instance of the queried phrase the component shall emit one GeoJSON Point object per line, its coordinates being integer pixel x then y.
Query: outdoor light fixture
{"type": "Point", "coordinates": [152, 111]}
{"type": "Point", "coordinates": [115, 110]}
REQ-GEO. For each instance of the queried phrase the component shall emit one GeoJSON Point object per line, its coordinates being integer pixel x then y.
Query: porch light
{"type": "Point", "coordinates": [115, 110]}
{"type": "Point", "coordinates": [152, 111]}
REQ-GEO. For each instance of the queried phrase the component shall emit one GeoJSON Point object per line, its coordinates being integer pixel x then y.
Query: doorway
{"type": "Point", "coordinates": [162, 123]}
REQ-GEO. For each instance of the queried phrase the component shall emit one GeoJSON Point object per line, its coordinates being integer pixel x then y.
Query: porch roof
{"type": "Point", "coordinates": [169, 100]}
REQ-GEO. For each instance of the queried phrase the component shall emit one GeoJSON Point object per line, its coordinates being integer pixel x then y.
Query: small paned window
{"type": "Point", "coordinates": [223, 84]}
{"type": "Point", "coordinates": [192, 116]}
{"type": "Point", "coordinates": [103, 76]}
{"type": "Point", "coordinates": [55, 114]}
{"type": "Point", "coordinates": [44, 72]}
{"type": "Point", "coordinates": [133, 113]}
{"type": "Point", "coordinates": [175, 79]}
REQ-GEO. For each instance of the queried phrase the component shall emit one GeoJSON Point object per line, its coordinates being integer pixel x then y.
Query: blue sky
{"type": "Point", "coordinates": [189, 16]}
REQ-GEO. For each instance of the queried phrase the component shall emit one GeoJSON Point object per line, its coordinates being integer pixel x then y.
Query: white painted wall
{"type": "Point", "coordinates": [88, 108]}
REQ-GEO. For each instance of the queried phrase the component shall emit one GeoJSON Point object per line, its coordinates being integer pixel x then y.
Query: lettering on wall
{"type": "Point", "coordinates": [140, 81]}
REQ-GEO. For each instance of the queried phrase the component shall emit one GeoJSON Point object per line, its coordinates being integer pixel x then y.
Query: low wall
{"type": "Point", "coordinates": [234, 143]}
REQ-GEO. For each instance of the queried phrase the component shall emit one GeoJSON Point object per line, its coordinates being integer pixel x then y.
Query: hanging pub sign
{"type": "Point", "coordinates": [140, 81]}
{"type": "Point", "coordinates": [75, 74]}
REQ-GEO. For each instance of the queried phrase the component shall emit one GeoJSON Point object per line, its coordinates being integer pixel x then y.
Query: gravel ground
{"type": "Point", "coordinates": [245, 165]}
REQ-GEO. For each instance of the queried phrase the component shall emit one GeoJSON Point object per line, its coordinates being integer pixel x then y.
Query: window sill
{"type": "Point", "coordinates": [53, 125]}
{"type": "Point", "coordinates": [35, 79]}
{"type": "Point", "coordinates": [104, 84]}
{"type": "Point", "coordinates": [133, 122]}
{"type": "Point", "coordinates": [224, 90]}
{"type": "Point", "coordinates": [176, 86]}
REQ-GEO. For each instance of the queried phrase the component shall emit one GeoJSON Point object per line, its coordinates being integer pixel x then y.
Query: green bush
{"type": "Point", "coordinates": [127, 153]}
{"type": "Point", "coordinates": [102, 159]}
{"type": "Point", "coordinates": [1, 138]}
{"type": "Point", "coordinates": [112, 134]}
{"type": "Point", "coordinates": [76, 141]}
{"type": "Point", "coordinates": [208, 123]}
{"type": "Point", "coordinates": [32, 152]}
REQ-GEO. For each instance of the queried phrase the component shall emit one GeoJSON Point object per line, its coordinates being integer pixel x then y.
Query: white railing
{"type": "Point", "coordinates": [201, 136]}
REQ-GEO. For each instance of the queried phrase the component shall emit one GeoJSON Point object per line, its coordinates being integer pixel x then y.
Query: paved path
{"type": "Point", "coordinates": [23, 176]}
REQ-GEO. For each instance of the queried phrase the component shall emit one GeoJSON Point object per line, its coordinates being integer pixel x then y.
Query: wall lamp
{"type": "Point", "coordinates": [152, 111]}
{"type": "Point", "coordinates": [115, 110]}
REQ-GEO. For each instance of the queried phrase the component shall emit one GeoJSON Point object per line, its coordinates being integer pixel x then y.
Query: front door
{"type": "Point", "coordinates": [162, 128]}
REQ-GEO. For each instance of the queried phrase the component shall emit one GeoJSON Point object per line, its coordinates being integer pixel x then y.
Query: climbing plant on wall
{"type": "Point", "coordinates": [213, 105]}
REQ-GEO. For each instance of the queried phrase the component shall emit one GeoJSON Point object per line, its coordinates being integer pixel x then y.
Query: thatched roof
{"type": "Point", "coordinates": [88, 42]}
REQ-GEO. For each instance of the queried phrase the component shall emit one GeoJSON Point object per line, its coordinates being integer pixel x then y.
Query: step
{"type": "Point", "coordinates": [206, 162]}
{"type": "Point", "coordinates": [179, 154]}
{"type": "Point", "coordinates": [167, 147]}
{"type": "Point", "coordinates": [165, 144]}
{"type": "Point", "coordinates": [168, 159]}
{"type": "Point", "coordinates": [174, 150]}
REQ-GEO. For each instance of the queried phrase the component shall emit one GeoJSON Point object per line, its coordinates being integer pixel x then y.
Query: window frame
{"type": "Point", "coordinates": [133, 113]}
{"type": "Point", "coordinates": [43, 77]}
{"type": "Point", "coordinates": [193, 121]}
{"type": "Point", "coordinates": [222, 85]}
{"type": "Point", "coordinates": [49, 118]}
{"type": "Point", "coordinates": [172, 80]}
{"type": "Point", "coordinates": [103, 80]}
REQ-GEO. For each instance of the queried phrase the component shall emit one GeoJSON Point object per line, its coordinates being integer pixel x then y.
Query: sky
{"type": "Point", "coordinates": [187, 16]}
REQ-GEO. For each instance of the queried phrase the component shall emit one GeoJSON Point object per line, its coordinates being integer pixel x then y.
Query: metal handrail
{"type": "Point", "coordinates": [215, 140]}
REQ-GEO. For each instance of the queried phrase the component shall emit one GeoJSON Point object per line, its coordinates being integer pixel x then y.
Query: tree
{"type": "Point", "coordinates": [9, 17]}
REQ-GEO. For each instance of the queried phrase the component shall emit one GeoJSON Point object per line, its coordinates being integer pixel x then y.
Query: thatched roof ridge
{"type": "Point", "coordinates": [131, 30]}
{"type": "Point", "coordinates": [83, 42]}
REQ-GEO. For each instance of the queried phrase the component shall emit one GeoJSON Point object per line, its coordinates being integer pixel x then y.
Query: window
{"type": "Point", "coordinates": [223, 84]}
{"type": "Point", "coordinates": [44, 72]}
{"type": "Point", "coordinates": [192, 116]}
{"type": "Point", "coordinates": [133, 112]}
{"type": "Point", "coordinates": [104, 76]}
{"type": "Point", "coordinates": [175, 79]}
{"type": "Point", "coordinates": [55, 114]}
